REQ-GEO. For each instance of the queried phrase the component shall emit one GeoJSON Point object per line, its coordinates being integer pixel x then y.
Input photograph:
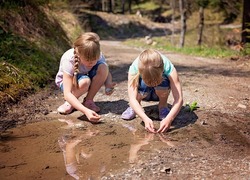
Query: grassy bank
{"type": "Point", "coordinates": [33, 37]}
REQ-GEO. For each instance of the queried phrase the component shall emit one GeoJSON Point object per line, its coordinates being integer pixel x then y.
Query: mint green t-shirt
{"type": "Point", "coordinates": [168, 66]}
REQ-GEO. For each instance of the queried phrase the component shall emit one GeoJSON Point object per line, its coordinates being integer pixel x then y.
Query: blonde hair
{"type": "Point", "coordinates": [88, 47]}
{"type": "Point", "coordinates": [150, 68]}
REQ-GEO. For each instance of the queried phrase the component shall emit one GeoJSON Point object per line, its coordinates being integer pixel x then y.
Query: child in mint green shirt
{"type": "Point", "coordinates": [151, 77]}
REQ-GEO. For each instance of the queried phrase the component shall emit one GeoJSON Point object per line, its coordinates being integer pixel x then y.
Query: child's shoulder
{"type": "Point", "coordinates": [165, 59]}
{"type": "Point", "coordinates": [69, 53]}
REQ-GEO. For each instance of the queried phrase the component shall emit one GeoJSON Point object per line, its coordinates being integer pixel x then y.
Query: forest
{"type": "Point", "coordinates": [180, 11]}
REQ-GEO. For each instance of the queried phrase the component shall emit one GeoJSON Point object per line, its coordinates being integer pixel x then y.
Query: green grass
{"type": "Point", "coordinates": [148, 6]}
{"type": "Point", "coordinates": [203, 51]}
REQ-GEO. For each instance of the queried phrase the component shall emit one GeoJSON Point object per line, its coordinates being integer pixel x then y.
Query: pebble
{"type": "Point", "coordinates": [242, 106]}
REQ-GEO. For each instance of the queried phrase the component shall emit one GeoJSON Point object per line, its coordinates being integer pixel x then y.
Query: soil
{"type": "Point", "coordinates": [212, 142]}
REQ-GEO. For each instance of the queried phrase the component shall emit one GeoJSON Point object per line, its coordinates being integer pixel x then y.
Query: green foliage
{"type": "Point", "coordinates": [202, 3]}
{"type": "Point", "coordinates": [246, 50]}
{"type": "Point", "coordinates": [10, 4]}
{"type": "Point", "coordinates": [25, 60]}
{"type": "Point", "coordinates": [30, 47]}
{"type": "Point", "coordinates": [203, 51]}
{"type": "Point", "coordinates": [230, 9]}
{"type": "Point", "coordinates": [11, 75]}
{"type": "Point", "coordinates": [147, 6]}
{"type": "Point", "coordinates": [191, 107]}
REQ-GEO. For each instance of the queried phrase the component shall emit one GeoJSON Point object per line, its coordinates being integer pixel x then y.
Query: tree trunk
{"type": "Point", "coordinates": [172, 21]}
{"type": "Point", "coordinates": [104, 5]}
{"type": "Point", "coordinates": [182, 5]}
{"type": "Point", "coordinates": [113, 5]}
{"type": "Point", "coordinates": [245, 36]}
{"type": "Point", "coordinates": [110, 6]}
{"type": "Point", "coordinates": [201, 25]}
{"type": "Point", "coordinates": [129, 6]}
{"type": "Point", "coordinates": [123, 6]}
{"type": "Point", "coordinates": [107, 6]}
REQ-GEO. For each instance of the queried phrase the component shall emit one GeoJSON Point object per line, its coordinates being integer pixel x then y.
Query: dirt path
{"type": "Point", "coordinates": [212, 142]}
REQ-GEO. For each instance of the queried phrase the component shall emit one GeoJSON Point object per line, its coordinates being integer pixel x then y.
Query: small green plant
{"type": "Point", "coordinates": [192, 107]}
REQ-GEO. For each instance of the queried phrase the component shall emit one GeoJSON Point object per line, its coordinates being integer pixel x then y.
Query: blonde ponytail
{"type": "Point", "coordinates": [135, 80]}
{"type": "Point", "coordinates": [86, 46]}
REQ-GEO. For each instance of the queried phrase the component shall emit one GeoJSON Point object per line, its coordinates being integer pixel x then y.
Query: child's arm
{"type": "Point", "coordinates": [132, 93]}
{"type": "Point", "coordinates": [178, 101]}
{"type": "Point", "coordinates": [72, 99]}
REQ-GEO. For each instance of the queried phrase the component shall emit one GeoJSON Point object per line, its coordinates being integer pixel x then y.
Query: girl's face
{"type": "Point", "coordinates": [87, 64]}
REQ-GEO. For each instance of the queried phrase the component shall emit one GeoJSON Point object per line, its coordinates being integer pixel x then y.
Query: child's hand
{"type": "Point", "coordinates": [149, 126]}
{"type": "Point", "coordinates": [93, 116]}
{"type": "Point", "coordinates": [109, 88]}
{"type": "Point", "coordinates": [164, 126]}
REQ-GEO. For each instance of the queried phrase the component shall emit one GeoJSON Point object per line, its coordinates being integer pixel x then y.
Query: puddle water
{"type": "Point", "coordinates": [95, 150]}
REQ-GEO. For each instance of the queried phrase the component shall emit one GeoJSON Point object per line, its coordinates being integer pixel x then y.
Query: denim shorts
{"type": "Point", "coordinates": [149, 92]}
{"type": "Point", "coordinates": [90, 74]}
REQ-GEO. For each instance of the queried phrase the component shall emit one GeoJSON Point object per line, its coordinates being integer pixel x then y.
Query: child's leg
{"type": "Point", "coordinates": [129, 113]}
{"type": "Point", "coordinates": [84, 84]}
{"type": "Point", "coordinates": [162, 91]}
{"type": "Point", "coordinates": [163, 97]}
{"type": "Point", "coordinates": [97, 81]}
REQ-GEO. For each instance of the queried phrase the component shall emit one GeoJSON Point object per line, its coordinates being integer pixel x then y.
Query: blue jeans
{"type": "Point", "coordinates": [90, 74]}
{"type": "Point", "coordinates": [149, 92]}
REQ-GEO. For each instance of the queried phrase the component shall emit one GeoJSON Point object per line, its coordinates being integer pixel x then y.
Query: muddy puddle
{"type": "Point", "coordinates": [76, 149]}
{"type": "Point", "coordinates": [66, 147]}
{"type": "Point", "coordinates": [93, 151]}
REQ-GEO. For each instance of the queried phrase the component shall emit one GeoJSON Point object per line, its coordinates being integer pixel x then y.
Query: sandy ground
{"type": "Point", "coordinates": [212, 142]}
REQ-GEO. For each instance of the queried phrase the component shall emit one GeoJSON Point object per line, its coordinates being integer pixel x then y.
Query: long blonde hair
{"type": "Point", "coordinates": [150, 68]}
{"type": "Point", "coordinates": [87, 46]}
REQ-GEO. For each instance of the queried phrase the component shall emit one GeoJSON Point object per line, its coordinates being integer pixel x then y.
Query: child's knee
{"type": "Point", "coordinates": [141, 96]}
{"type": "Point", "coordinates": [84, 83]}
{"type": "Point", "coordinates": [162, 93]}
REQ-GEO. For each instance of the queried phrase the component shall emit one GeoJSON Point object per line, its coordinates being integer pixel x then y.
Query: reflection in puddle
{"type": "Point", "coordinates": [72, 153]}
{"type": "Point", "coordinates": [94, 151]}
{"type": "Point", "coordinates": [134, 148]}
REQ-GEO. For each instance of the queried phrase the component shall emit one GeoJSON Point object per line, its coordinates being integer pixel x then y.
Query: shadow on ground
{"type": "Point", "coordinates": [184, 118]}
